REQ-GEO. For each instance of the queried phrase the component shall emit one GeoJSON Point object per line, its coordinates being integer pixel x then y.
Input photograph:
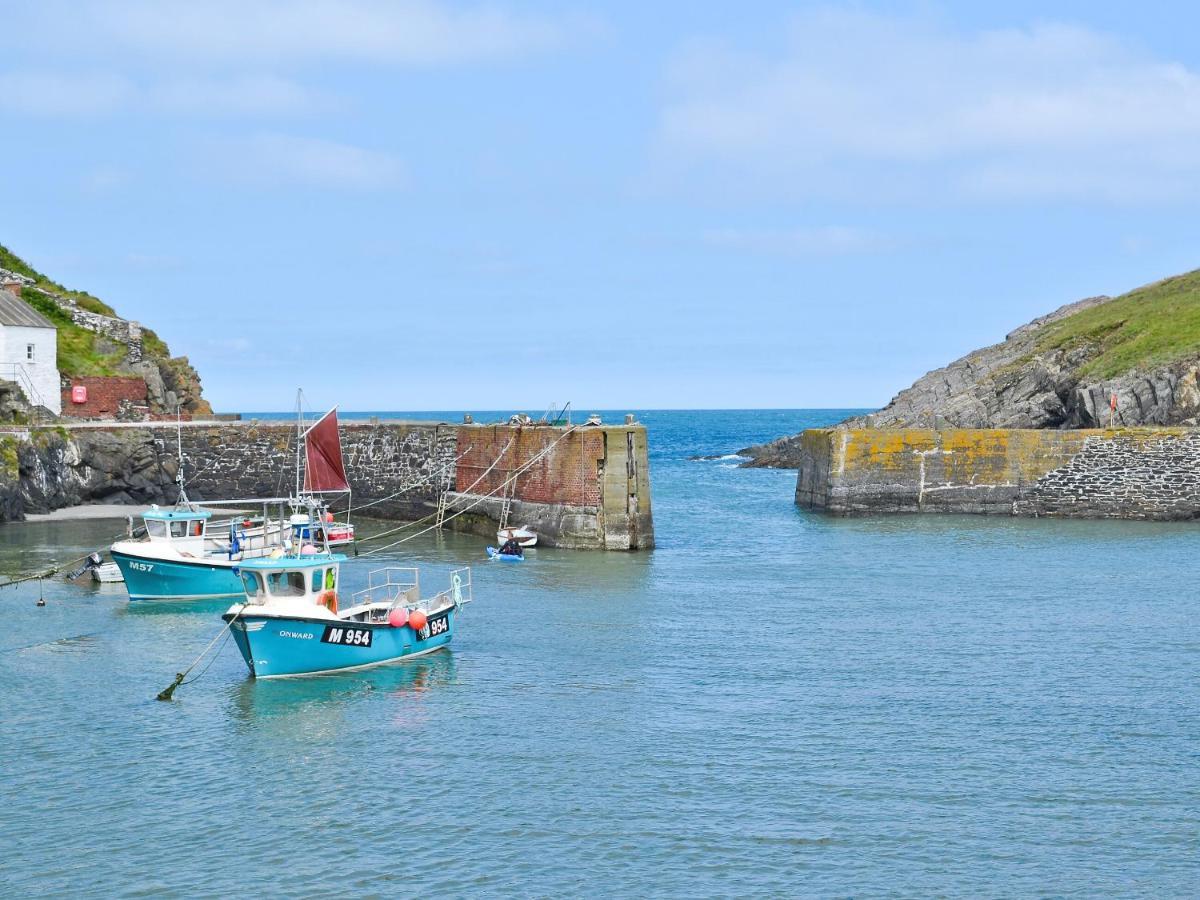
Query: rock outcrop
{"type": "Point", "coordinates": [1129, 361]}
{"type": "Point", "coordinates": [1016, 384]}
{"type": "Point", "coordinates": [52, 468]}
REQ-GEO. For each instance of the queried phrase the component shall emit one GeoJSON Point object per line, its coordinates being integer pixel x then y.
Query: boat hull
{"type": "Point", "coordinates": [149, 578]}
{"type": "Point", "coordinates": [277, 647]}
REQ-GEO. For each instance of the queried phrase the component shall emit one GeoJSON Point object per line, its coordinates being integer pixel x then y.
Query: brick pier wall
{"type": "Point", "coordinates": [592, 490]}
{"type": "Point", "coordinates": [1139, 473]}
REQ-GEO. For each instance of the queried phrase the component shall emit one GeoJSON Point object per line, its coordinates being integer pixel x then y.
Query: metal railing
{"type": "Point", "coordinates": [19, 375]}
{"type": "Point", "coordinates": [397, 586]}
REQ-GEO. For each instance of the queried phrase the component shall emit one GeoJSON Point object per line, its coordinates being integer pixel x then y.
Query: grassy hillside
{"type": "Point", "coordinates": [80, 352]}
{"type": "Point", "coordinates": [1146, 328]}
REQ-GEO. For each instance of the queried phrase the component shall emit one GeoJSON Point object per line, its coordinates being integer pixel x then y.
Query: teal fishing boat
{"type": "Point", "coordinates": [294, 621]}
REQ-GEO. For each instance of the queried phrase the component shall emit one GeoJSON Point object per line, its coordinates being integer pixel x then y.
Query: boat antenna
{"type": "Point", "coordinates": [299, 436]}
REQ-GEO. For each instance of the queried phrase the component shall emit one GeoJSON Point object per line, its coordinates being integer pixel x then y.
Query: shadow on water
{"type": "Point", "coordinates": [152, 608]}
{"type": "Point", "coordinates": [255, 701]}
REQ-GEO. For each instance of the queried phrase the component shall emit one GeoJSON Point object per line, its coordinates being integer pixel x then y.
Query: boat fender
{"type": "Point", "coordinates": [329, 601]}
{"type": "Point", "coordinates": [398, 618]}
{"type": "Point", "coordinates": [417, 620]}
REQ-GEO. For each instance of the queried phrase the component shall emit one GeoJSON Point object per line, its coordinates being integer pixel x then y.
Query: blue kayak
{"type": "Point", "coordinates": [504, 557]}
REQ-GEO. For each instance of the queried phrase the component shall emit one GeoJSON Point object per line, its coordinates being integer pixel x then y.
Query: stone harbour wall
{"type": "Point", "coordinates": [1134, 473]}
{"type": "Point", "coordinates": [590, 490]}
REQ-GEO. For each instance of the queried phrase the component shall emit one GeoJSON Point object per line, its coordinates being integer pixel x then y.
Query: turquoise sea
{"type": "Point", "coordinates": [770, 703]}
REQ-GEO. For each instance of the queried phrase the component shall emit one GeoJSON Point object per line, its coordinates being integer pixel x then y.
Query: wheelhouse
{"type": "Point", "coordinates": [306, 579]}
{"type": "Point", "coordinates": [183, 527]}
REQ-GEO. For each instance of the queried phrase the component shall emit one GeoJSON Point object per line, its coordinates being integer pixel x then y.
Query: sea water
{"type": "Point", "coordinates": [771, 702]}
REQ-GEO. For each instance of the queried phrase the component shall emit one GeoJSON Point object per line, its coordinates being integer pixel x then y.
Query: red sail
{"type": "Point", "coordinates": [323, 469]}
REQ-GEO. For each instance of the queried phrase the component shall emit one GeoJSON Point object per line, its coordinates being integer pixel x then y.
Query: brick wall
{"type": "Point", "coordinates": [567, 474]}
{"type": "Point", "coordinates": [109, 397]}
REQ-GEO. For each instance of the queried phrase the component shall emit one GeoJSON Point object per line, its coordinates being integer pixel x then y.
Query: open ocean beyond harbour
{"type": "Point", "coordinates": [771, 702]}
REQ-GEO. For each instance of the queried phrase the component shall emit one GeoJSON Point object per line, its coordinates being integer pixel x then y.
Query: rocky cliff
{"type": "Point", "coordinates": [51, 468]}
{"type": "Point", "coordinates": [1060, 371]}
{"type": "Point", "coordinates": [94, 341]}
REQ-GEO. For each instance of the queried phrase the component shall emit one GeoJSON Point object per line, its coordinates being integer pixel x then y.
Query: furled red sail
{"type": "Point", "coordinates": [323, 469]}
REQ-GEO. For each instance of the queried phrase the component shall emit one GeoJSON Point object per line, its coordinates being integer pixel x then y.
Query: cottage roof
{"type": "Point", "coordinates": [15, 311]}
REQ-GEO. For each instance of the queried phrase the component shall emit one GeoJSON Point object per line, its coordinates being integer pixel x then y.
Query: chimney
{"type": "Point", "coordinates": [13, 286]}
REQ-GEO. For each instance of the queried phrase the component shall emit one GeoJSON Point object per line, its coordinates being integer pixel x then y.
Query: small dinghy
{"type": "Point", "coordinates": [292, 621]}
{"type": "Point", "coordinates": [522, 535]}
{"type": "Point", "coordinates": [493, 553]}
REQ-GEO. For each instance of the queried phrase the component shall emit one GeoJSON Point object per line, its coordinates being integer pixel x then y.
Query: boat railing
{"type": "Point", "coordinates": [459, 591]}
{"type": "Point", "coordinates": [402, 587]}
{"type": "Point", "coordinates": [395, 586]}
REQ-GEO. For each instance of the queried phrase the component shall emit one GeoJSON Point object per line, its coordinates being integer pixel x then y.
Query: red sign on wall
{"type": "Point", "coordinates": [79, 393]}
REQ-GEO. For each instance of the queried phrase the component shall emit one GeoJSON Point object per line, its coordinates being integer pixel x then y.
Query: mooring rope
{"type": "Point", "coordinates": [416, 484]}
{"type": "Point", "coordinates": [167, 692]}
{"type": "Point", "coordinates": [503, 485]}
{"type": "Point", "coordinates": [399, 528]}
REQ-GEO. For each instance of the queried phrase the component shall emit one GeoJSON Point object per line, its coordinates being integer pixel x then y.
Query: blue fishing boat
{"type": "Point", "coordinates": [182, 556]}
{"type": "Point", "coordinates": [293, 621]}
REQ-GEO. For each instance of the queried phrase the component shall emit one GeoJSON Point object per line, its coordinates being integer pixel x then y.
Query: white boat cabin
{"type": "Point", "coordinates": [183, 529]}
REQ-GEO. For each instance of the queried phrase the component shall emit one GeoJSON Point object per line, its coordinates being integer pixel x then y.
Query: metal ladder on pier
{"type": "Point", "coordinates": [506, 499]}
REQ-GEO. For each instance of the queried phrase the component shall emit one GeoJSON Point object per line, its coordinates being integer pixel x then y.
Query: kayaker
{"type": "Point", "coordinates": [510, 548]}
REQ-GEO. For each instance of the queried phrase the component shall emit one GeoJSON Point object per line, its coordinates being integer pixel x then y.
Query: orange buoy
{"type": "Point", "coordinates": [329, 599]}
{"type": "Point", "coordinates": [417, 619]}
{"type": "Point", "coordinates": [398, 618]}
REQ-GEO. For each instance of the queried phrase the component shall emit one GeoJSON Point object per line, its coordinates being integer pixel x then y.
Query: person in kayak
{"type": "Point", "coordinates": [510, 548]}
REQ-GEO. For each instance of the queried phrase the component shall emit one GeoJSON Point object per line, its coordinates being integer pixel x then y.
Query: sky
{"type": "Point", "coordinates": [450, 204]}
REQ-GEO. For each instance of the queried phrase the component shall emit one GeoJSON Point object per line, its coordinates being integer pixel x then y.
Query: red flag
{"type": "Point", "coordinates": [1112, 402]}
{"type": "Point", "coordinates": [323, 469]}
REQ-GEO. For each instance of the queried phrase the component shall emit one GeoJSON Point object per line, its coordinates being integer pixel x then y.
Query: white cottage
{"type": "Point", "coordinates": [29, 352]}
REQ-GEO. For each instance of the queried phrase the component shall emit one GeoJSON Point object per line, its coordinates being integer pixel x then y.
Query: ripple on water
{"type": "Point", "coordinates": [791, 705]}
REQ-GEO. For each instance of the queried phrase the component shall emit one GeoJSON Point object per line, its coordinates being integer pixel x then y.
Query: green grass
{"type": "Point", "coordinates": [1146, 328]}
{"type": "Point", "coordinates": [14, 263]}
{"type": "Point", "coordinates": [77, 353]}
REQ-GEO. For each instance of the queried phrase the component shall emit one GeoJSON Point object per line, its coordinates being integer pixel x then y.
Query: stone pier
{"type": "Point", "coordinates": [1129, 473]}
{"type": "Point", "coordinates": [586, 487]}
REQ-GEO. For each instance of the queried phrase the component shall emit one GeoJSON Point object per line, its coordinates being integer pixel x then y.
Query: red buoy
{"type": "Point", "coordinates": [417, 619]}
{"type": "Point", "coordinates": [398, 618]}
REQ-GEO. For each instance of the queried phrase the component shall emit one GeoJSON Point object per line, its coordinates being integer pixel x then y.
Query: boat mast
{"type": "Point", "coordinates": [299, 437]}
{"type": "Point", "coordinates": [182, 498]}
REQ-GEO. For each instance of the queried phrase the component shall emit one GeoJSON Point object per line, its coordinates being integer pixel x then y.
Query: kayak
{"type": "Point", "coordinates": [504, 557]}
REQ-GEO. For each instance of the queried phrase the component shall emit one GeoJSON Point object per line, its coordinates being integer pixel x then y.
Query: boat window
{"type": "Point", "coordinates": [330, 579]}
{"type": "Point", "coordinates": [156, 528]}
{"type": "Point", "coordinates": [317, 577]}
{"type": "Point", "coordinates": [253, 584]}
{"type": "Point", "coordinates": [197, 528]}
{"type": "Point", "coordinates": [178, 529]}
{"type": "Point", "coordinates": [286, 584]}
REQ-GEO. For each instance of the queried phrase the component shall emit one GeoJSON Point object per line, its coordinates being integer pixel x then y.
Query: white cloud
{"type": "Point", "coordinates": [400, 32]}
{"type": "Point", "coordinates": [278, 159]}
{"type": "Point", "coordinates": [41, 94]}
{"type": "Point", "coordinates": [250, 95]}
{"type": "Point", "coordinates": [828, 240]}
{"type": "Point", "coordinates": [868, 104]}
{"type": "Point", "coordinates": [38, 93]}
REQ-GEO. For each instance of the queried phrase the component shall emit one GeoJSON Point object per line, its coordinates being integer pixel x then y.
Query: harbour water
{"type": "Point", "coordinates": [771, 702]}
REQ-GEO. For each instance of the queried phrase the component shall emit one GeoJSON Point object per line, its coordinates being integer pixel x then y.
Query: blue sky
{"type": "Point", "coordinates": [442, 205]}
